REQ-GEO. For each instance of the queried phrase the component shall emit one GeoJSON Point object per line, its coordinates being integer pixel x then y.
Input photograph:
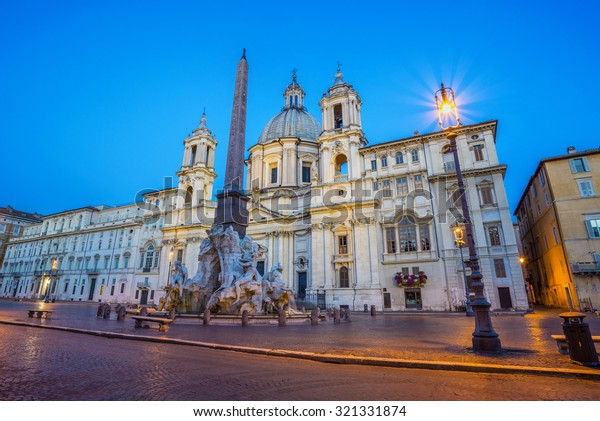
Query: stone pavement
{"type": "Point", "coordinates": [424, 340]}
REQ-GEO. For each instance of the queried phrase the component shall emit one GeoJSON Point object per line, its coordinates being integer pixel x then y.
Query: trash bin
{"type": "Point", "coordinates": [579, 339]}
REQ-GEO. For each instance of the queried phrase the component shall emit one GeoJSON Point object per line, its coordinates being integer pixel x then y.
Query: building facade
{"type": "Point", "coordinates": [352, 224]}
{"type": "Point", "coordinates": [559, 221]}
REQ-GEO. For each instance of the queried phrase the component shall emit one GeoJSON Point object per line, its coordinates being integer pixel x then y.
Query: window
{"type": "Point", "coordinates": [418, 180]}
{"type": "Point", "coordinates": [408, 236]}
{"type": "Point", "coordinates": [122, 288]}
{"type": "Point", "coordinates": [399, 158]}
{"type": "Point", "coordinates": [344, 278]}
{"type": "Point", "coordinates": [534, 189]}
{"type": "Point", "coordinates": [547, 199]}
{"type": "Point", "coordinates": [16, 230]}
{"type": "Point", "coordinates": [117, 262]}
{"type": "Point", "coordinates": [149, 256]}
{"type": "Point", "coordinates": [274, 174]}
{"type": "Point", "coordinates": [486, 195]}
{"type": "Point", "coordinates": [542, 178]}
{"type": "Point", "coordinates": [499, 268]}
{"type": "Point", "coordinates": [414, 155]}
{"type": "Point", "coordinates": [493, 232]}
{"type": "Point", "coordinates": [337, 117]}
{"type": "Point", "coordinates": [555, 235]}
{"type": "Point", "coordinates": [401, 186]}
{"type": "Point", "coordinates": [193, 156]}
{"type": "Point", "coordinates": [586, 188]}
{"type": "Point", "coordinates": [387, 189]}
{"type": "Point", "coordinates": [424, 234]}
{"type": "Point", "coordinates": [125, 262]}
{"type": "Point", "coordinates": [375, 185]}
{"type": "Point", "coordinates": [106, 260]}
{"type": "Point", "coordinates": [373, 165]}
{"type": "Point", "coordinates": [343, 244]}
{"type": "Point", "coordinates": [593, 227]}
{"type": "Point", "coordinates": [188, 196]}
{"type": "Point", "coordinates": [390, 237]}
{"type": "Point", "coordinates": [478, 153]}
{"type": "Point", "coordinates": [579, 165]}
{"type": "Point", "coordinates": [384, 161]}
{"type": "Point", "coordinates": [306, 172]}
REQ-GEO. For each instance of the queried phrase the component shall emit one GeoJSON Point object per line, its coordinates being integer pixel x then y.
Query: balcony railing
{"type": "Point", "coordinates": [93, 271]}
{"type": "Point", "coordinates": [143, 285]}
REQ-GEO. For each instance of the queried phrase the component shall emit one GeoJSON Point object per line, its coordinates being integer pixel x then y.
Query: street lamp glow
{"type": "Point", "coordinates": [521, 260]}
{"type": "Point", "coordinates": [446, 108]}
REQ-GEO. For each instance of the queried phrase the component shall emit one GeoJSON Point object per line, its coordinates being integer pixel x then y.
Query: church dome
{"type": "Point", "coordinates": [294, 120]}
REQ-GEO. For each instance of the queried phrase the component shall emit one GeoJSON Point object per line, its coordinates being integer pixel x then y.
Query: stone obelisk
{"type": "Point", "coordinates": [231, 205]}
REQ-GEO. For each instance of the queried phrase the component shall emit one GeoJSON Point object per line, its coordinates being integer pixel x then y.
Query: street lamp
{"type": "Point", "coordinates": [528, 285]}
{"type": "Point", "coordinates": [459, 240]}
{"type": "Point", "coordinates": [484, 337]}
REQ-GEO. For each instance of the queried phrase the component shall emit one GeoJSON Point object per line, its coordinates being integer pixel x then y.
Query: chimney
{"type": "Point", "coordinates": [571, 149]}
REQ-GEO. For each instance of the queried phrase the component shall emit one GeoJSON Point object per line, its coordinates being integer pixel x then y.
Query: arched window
{"type": "Point", "coordinates": [408, 235]}
{"type": "Point", "coordinates": [399, 158]}
{"type": "Point", "coordinates": [338, 122]}
{"type": "Point", "coordinates": [188, 195]}
{"type": "Point", "coordinates": [341, 165]}
{"type": "Point", "coordinates": [148, 258]}
{"type": "Point", "coordinates": [344, 278]}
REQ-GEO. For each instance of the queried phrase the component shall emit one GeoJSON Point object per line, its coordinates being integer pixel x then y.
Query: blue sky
{"type": "Point", "coordinates": [97, 97]}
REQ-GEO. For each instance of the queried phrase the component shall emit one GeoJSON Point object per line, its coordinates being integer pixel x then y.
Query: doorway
{"type": "Point", "coordinates": [301, 285]}
{"type": "Point", "coordinates": [92, 288]}
{"type": "Point", "coordinates": [412, 298]}
{"type": "Point", "coordinates": [504, 297]}
{"type": "Point", "coordinates": [144, 297]}
{"type": "Point", "coordinates": [387, 300]}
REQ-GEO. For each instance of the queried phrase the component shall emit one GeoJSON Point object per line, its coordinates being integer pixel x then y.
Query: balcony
{"type": "Point", "coordinates": [143, 285]}
{"type": "Point", "coordinates": [583, 268]}
{"type": "Point", "coordinates": [93, 271]}
{"type": "Point", "coordinates": [342, 258]}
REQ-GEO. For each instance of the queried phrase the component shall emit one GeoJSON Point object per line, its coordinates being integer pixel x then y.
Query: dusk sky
{"type": "Point", "coordinates": [97, 97]}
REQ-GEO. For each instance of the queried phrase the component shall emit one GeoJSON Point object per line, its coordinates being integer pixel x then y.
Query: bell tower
{"type": "Point", "coordinates": [197, 172]}
{"type": "Point", "coordinates": [342, 134]}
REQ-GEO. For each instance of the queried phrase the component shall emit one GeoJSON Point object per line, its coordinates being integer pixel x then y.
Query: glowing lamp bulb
{"type": "Point", "coordinates": [446, 108]}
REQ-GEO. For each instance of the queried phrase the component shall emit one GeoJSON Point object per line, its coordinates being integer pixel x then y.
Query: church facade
{"type": "Point", "coordinates": [352, 224]}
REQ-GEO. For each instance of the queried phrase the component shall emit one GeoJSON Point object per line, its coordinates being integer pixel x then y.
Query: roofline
{"type": "Point", "coordinates": [550, 159]}
{"type": "Point", "coordinates": [435, 135]}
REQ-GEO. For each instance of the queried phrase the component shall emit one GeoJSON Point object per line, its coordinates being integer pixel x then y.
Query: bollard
{"type": "Point", "coordinates": [336, 316]}
{"type": "Point", "coordinates": [172, 314]}
{"type": "Point", "coordinates": [100, 311]}
{"type": "Point", "coordinates": [282, 318]}
{"type": "Point", "coordinates": [579, 339]}
{"type": "Point", "coordinates": [245, 318]}
{"type": "Point", "coordinates": [366, 308]}
{"type": "Point", "coordinates": [314, 316]}
{"type": "Point", "coordinates": [373, 311]}
{"type": "Point", "coordinates": [121, 312]}
{"type": "Point", "coordinates": [206, 318]}
{"type": "Point", "coordinates": [347, 315]}
{"type": "Point", "coordinates": [106, 314]}
{"type": "Point", "coordinates": [144, 312]}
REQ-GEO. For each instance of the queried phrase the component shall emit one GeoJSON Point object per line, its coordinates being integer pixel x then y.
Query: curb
{"type": "Point", "coordinates": [338, 359]}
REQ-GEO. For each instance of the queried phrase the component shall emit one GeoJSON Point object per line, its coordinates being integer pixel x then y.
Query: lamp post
{"type": "Point", "coordinates": [459, 240]}
{"type": "Point", "coordinates": [484, 337]}
{"type": "Point", "coordinates": [528, 285]}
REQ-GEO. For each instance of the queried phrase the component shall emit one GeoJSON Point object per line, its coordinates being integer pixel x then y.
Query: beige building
{"type": "Point", "coordinates": [559, 221]}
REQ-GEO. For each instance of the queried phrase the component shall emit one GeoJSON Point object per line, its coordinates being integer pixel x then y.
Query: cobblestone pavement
{"type": "Point", "coordinates": [425, 337]}
{"type": "Point", "coordinates": [40, 364]}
